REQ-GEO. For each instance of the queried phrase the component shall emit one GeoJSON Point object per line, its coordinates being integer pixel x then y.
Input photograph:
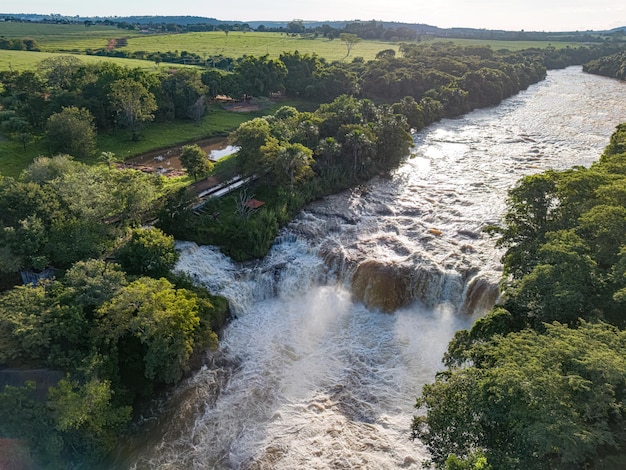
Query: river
{"type": "Point", "coordinates": [309, 377]}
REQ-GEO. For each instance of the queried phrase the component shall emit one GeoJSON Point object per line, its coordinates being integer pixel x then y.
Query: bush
{"type": "Point", "coordinates": [149, 252]}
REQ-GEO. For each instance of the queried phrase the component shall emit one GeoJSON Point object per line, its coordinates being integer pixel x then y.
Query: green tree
{"type": "Point", "coordinates": [148, 252]}
{"type": "Point", "coordinates": [161, 320]}
{"type": "Point", "coordinates": [60, 71]}
{"type": "Point", "coordinates": [98, 193]}
{"type": "Point", "coordinates": [530, 213]}
{"type": "Point", "coordinates": [260, 76]}
{"type": "Point", "coordinates": [296, 26]}
{"type": "Point", "coordinates": [386, 54]}
{"type": "Point", "coordinates": [604, 228]}
{"type": "Point", "coordinates": [45, 169]}
{"type": "Point", "coordinates": [18, 129]}
{"type": "Point", "coordinates": [359, 143]}
{"type": "Point", "coordinates": [300, 70]}
{"type": "Point", "coordinates": [92, 282]}
{"type": "Point", "coordinates": [133, 103]}
{"type": "Point", "coordinates": [133, 195]}
{"type": "Point", "coordinates": [292, 161]}
{"type": "Point", "coordinates": [250, 137]}
{"type": "Point", "coordinates": [327, 154]}
{"type": "Point", "coordinates": [39, 329]}
{"type": "Point", "coordinates": [392, 139]}
{"type": "Point", "coordinates": [86, 417]}
{"type": "Point", "coordinates": [533, 401]}
{"type": "Point", "coordinates": [25, 418]}
{"type": "Point", "coordinates": [26, 210]}
{"type": "Point", "coordinates": [195, 161]}
{"type": "Point", "coordinates": [563, 285]}
{"type": "Point", "coordinates": [72, 131]}
{"type": "Point", "coordinates": [179, 92]}
{"type": "Point", "coordinates": [109, 158]}
{"type": "Point", "coordinates": [411, 110]}
{"type": "Point", "coordinates": [350, 40]}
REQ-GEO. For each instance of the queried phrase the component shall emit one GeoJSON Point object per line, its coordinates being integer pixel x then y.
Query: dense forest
{"type": "Point", "coordinates": [114, 324]}
{"type": "Point", "coordinates": [110, 317]}
{"type": "Point", "coordinates": [540, 382]}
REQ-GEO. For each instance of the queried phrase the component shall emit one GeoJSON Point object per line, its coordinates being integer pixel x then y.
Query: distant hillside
{"type": "Point", "coordinates": [181, 20]}
{"type": "Point", "coordinates": [186, 23]}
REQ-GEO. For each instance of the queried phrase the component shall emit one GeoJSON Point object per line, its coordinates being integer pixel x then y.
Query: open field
{"type": "Point", "coordinates": [24, 60]}
{"type": "Point", "coordinates": [511, 45]}
{"type": "Point", "coordinates": [77, 38]}
{"type": "Point", "coordinates": [63, 37]}
{"type": "Point", "coordinates": [237, 44]}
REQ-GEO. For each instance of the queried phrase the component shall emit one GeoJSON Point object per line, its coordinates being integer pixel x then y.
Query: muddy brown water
{"type": "Point", "coordinates": [167, 160]}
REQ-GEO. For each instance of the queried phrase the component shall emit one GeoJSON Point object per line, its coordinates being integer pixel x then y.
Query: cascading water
{"type": "Point", "coordinates": [307, 376]}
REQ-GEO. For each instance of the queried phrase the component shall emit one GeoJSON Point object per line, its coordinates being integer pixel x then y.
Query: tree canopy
{"type": "Point", "coordinates": [533, 400]}
{"type": "Point", "coordinates": [195, 161]}
{"type": "Point", "coordinates": [149, 252]}
{"type": "Point", "coordinates": [61, 211]}
{"type": "Point", "coordinates": [72, 131]}
{"type": "Point", "coordinates": [133, 103]}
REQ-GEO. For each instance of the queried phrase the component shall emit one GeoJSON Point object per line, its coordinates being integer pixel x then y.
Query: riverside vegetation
{"type": "Point", "coordinates": [540, 382]}
{"type": "Point", "coordinates": [119, 330]}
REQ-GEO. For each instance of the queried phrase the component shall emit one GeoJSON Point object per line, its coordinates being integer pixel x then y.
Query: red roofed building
{"type": "Point", "coordinates": [254, 203]}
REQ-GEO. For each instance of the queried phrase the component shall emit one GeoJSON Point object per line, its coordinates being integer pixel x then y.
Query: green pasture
{"type": "Point", "coordinates": [236, 44]}
{"type": "Point", "coordinates": [217, 121]}
{"type": "Point", "coordinates": [511, 45]}
{"type": "Point", "coordinates": [77, 38]}
{"type": "Point", "coordinates": [25, 60]}
{"type": "Point", "coordinates": [64, 37]}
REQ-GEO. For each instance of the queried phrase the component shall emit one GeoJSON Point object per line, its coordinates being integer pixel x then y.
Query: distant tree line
{"type": "Point", "coordinates": [18, 44]}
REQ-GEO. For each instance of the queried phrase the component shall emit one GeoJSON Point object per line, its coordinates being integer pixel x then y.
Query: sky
{"type": "Point", "coordinates": [510, 15]}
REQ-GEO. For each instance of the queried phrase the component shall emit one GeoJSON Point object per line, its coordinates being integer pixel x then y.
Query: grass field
{"type": "Point", "coordinates": [77, 38]}
{"type": "Point", "coordinates": [24, 60]}
{"type": "Point", "coordinates": [63, 37]}
{"type": "Point", "coordinates": [512, 45]}
{"type": "Point", "coordinates": [237, 44]}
